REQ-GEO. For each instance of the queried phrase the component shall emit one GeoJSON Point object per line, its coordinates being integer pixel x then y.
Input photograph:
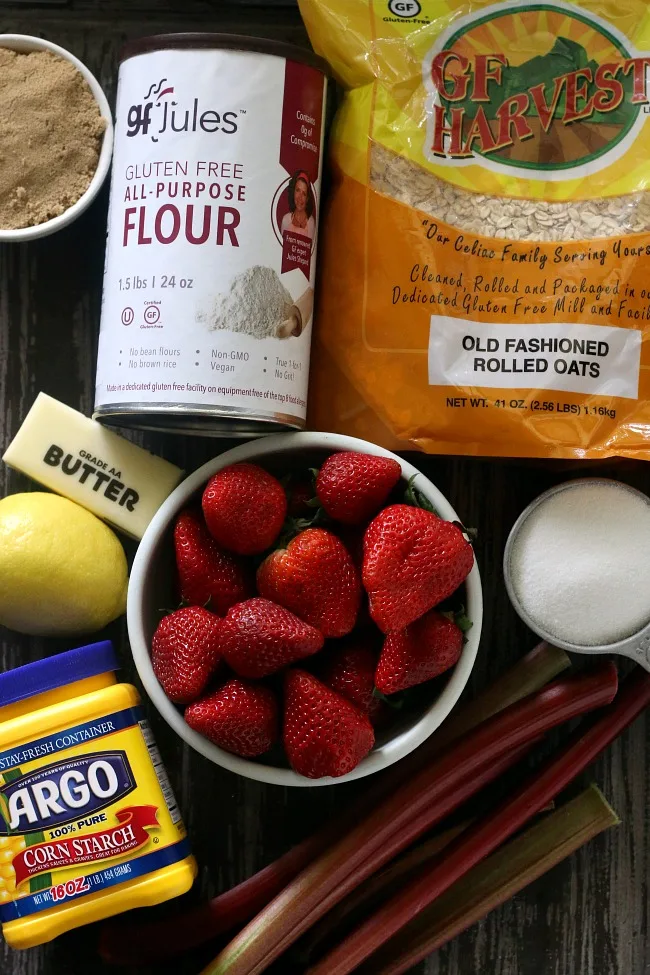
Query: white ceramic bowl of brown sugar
{"type": "Point", "coordinates": [76, 167]}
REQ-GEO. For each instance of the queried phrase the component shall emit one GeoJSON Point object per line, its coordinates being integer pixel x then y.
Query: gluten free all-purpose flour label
{"type": "Point", "coordinates": [212, 233]}
{"type": "Point", "coordinates": [496, 298]}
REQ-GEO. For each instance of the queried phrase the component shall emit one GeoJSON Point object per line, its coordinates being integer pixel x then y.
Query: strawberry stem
{"type": "Point", "coordinates": [293, 526]}
{"type": "Point", "coordinates": [395, 701]}
{"type": "Point", "coordinates": [416, 498]}
{"type": "Point", "coordinates": [460, 618]}
{"type": "Point", "coordinates": [471, 533]}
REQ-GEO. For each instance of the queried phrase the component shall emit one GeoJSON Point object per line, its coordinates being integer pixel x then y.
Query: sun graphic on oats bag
{"type": "Point", "coordinates": [563, 95]}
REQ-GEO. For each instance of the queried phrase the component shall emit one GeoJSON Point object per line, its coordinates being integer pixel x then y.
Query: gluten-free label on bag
{"type": "Point", "coordinates": [575, 358]}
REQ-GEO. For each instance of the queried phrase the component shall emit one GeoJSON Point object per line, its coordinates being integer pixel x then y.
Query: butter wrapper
{"type": "Point", "coordinates": [79, 458]}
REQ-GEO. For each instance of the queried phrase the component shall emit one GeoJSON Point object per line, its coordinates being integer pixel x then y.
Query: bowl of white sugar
{"type": "Point", "coordinates": [577, 568]}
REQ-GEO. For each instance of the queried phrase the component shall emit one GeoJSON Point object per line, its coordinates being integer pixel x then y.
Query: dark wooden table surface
{"type": "Point", "coordinates": [587, 917]}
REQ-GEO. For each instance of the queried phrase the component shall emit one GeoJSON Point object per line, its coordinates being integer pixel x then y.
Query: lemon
{"type": "Point", "coordinates": [62, 571]}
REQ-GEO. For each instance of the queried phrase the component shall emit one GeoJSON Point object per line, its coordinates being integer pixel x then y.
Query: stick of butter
{"type": "Point", "coordinates": [78, 458]}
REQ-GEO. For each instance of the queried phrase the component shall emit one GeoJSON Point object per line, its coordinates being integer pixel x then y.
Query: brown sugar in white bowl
{"type": "Point", "coordinates": [49, 178]}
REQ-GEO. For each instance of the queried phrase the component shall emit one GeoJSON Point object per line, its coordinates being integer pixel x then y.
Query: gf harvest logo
{"type": "Point", "coordinates": [570, 93]}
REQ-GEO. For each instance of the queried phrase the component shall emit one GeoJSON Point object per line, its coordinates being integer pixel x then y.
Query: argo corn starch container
{"type": "Point", "coordinates": [89, 826]}
{"type": "Point", "coordinates": [213, 220]}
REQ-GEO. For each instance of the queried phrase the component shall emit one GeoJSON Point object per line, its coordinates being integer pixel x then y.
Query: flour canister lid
{"type": "Point", "coordinates": [233, 42]}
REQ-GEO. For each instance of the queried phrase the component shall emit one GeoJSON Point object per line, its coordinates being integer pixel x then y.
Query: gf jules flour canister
{"type": "Point", "coordinates": [213, 219]}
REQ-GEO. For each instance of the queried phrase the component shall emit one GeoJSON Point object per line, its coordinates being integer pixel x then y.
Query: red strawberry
{"type": "Point", "coordinates": [259, 637]}
{"type": "Point", "coordinates": [240, 717]}
{"type": "Point", "coordinates": [316, 579]}
{"type": "Point", "coordinates": [425, 649]}
{"type": "Point", "coordinates": [412, 560]}
{"type": "Point", "coordinates": [208, 575]}
{"type": "Point", "coordinates": [352, 487]}
{"type": "Point", "coordinates": [349, 669]}
{"type": "Point", "coordinates": [244, 508]}
{"type": "Point", "coordinates": [185, 652]}
{"type": "Point", "coordinates": [324, 734]}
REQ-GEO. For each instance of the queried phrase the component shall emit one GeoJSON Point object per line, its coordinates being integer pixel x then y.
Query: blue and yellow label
{"type": "Point", "coordinates": [82, 810]}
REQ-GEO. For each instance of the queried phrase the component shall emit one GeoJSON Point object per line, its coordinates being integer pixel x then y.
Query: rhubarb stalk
{"type": "Point", "coordinates": [414, 829]}
{"type": "Point", "coordinates": [253, 950]}
{"type": "Point", "coordinates": [366, 895]}
{"type": "Point", "coordinates": [495, 880]}
{"type": "Point", "coordinates": [480, 840]}
{"type": "Point", "coordinates": [147, 942]}
{"type": "Point", "coordinates": [526, 676]}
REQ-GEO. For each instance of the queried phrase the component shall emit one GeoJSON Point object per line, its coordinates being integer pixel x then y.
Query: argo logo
{"type": "Point", "coordinates": [61, 793]}
{"type": "Point", "coordinates": [570, 96]}
{"type": "Point", "coordinates": [404, 8]}
{"type": "Point", "coordinates": [158, 114]}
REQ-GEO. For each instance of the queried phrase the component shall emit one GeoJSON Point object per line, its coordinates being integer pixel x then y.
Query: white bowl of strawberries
{"type": "Point", "coordinates": [330, 609]}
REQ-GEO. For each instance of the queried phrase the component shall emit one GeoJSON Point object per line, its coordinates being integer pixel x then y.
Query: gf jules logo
{"type": "Point", "coordinates": [159, 114]}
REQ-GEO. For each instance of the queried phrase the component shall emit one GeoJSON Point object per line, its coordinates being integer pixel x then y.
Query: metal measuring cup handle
{"type": "Point", "coordinates": [637, 648]}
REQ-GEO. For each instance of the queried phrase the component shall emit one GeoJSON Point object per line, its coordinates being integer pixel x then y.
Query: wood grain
{"type": "Point", "coordinates": [590, 915]}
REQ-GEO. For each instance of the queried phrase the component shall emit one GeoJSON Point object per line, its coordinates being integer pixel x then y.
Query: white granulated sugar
{"type": "Point", "coordinates": [256, 304]}
{"type": "Point", "coordinates": [580, 565]}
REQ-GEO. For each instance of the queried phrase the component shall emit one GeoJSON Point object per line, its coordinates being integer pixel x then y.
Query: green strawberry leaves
{"type": "Point", "coordinates": [394, 701]}
{"type": "Point", "coordinates": [416, 498]}
{"type": "Point", "coordinates": [460, 618]}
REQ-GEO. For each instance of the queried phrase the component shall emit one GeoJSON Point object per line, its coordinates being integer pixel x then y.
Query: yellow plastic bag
{"type": "Point", "coordinates": [485, 271]}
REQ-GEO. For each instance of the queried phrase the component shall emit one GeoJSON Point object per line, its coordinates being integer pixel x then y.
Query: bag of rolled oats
{"type": "Point", "coordinates": [485, 261]}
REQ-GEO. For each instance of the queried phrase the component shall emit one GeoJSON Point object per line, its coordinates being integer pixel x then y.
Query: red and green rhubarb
{"type": "Point", "coordinates": [486, 836]}
{"type": "Point", "coordinates": [145, 943]}
{"type": "Point", "coordinates": [390, 828]}
{"type": "Point", "coordinates": [494, 881]}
